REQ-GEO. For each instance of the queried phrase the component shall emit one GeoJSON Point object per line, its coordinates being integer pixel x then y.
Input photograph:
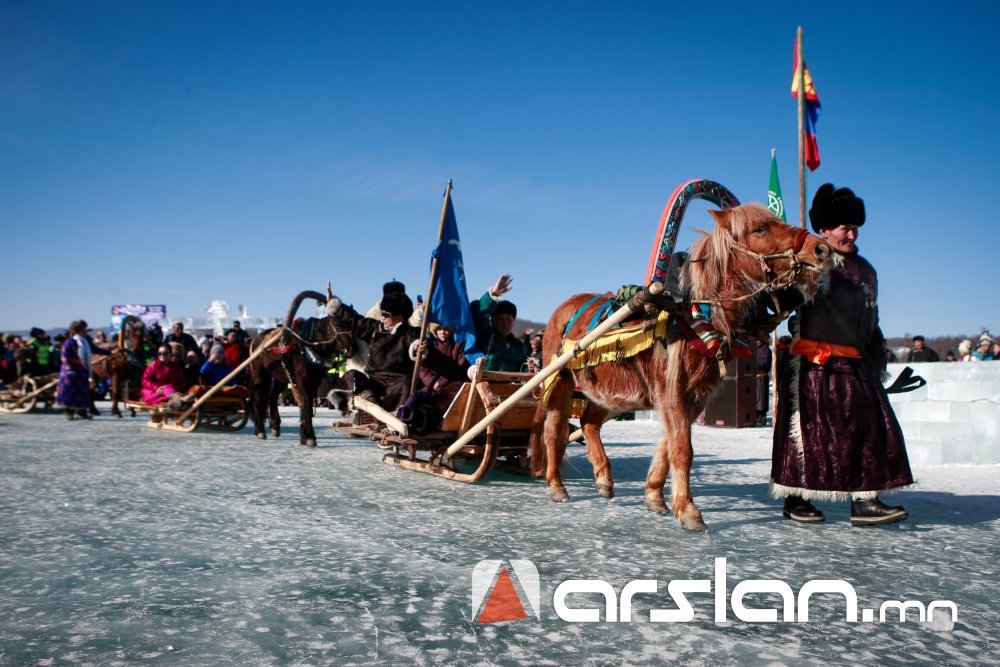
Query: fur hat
{"type": "Point", "coordinates": [833, 207]}
{"type": "Point", "coordinates": [505, 307]}
{"type": "Point", "coordinates": [394, 287]}
{"type": "Point", "coordinates": [398, 304]}
{"type": "Point", "coordinates": [985, 339]}
{"type": "Point", "coordinates": [965, 347]}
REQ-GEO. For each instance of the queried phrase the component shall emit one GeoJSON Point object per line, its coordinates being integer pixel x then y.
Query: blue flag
{"type": "Point", "coordinates": [449, 302]}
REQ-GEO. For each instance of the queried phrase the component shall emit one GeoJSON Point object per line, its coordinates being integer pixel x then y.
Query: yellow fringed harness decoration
{"type": "Point", "coordinates": [616, 345]}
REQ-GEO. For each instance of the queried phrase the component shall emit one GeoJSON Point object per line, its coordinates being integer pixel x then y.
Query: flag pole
{"type": "Point", "coordinates": [773, 389]}
{"type": "Point", "coordinates": [800, 75]}
{"type": "Point", "coordinates": [430, 287]}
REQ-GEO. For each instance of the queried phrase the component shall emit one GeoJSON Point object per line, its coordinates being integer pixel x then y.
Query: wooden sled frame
{"type": "Point", "coordinates": [27, 391]}
{"type": "Point", "coordinates": [220, 412]}
{"type": "Point", "coordinates": [503, 444]}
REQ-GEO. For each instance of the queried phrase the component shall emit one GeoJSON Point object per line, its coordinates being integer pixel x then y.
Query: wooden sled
{"type": "Point", "coordinates": [502, 445]}
{"type": "Point", "coordinates": [228, 410]}
{"type": "Point", "coordinates": [26, 392]}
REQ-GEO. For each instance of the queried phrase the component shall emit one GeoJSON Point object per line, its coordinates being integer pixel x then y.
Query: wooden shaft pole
{"type": "Point", "coordinates": [554, 367]}
{"type": "Point", "coordinates": [264, 345]}
{"type": "Point", "coordinates": [430, 288]}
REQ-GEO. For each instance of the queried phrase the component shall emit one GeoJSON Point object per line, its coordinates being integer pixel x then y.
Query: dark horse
{"type": "Point", "coordinates": [300, 360]}
{"type": "Point", "coordinates": [749, 252]}
{"type": "Point", "coordinates": [125, 364]}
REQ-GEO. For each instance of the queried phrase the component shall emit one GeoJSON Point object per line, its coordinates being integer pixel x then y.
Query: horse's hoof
{"type": "Point", "coordinates": [558, 495]}
{"type": "Point", "coordinates": [310, 442]}
{"type": "Point", "coordinates": [116, 414]}
{"type": "Point", "coordinates": [262, 436]}
{"type": "Point", "coordinates": [657, 506]}
{"type": "Point", "coordinates": [606, 491]}
{"type": "Point", "coordinates": [694, 524]}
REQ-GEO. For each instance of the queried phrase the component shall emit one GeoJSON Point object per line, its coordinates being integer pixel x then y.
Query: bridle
{"type": "Point", "coordinates": [774, 281]}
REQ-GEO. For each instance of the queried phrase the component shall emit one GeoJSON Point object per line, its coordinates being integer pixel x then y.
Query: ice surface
{"type": "Point", "coordinates": [123, 545]}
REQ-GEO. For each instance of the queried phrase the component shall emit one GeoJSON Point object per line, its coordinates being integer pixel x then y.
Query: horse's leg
{"type": "Point", "coordinates": [555, 436]}
{"type": "Point", "coordinates": [273, 407]}
{"type": "Point", "coordinates": [115, 394]}
{"type": "Point", "coordinates": [258, 401]}
{"type": "Point", "coordinates": [307, 436]}
{"type": "Point", "coordinates": [656, 478]}
{"type": "Point", "coordinates": [591, 421]}
{"type": "Point", "coordinates": [674, 453]}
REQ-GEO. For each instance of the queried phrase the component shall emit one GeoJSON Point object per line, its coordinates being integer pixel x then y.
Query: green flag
{"type": "Point", "coordinates": [774, 201]}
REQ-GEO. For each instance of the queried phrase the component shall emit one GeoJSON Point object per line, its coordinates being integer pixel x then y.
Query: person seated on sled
{"type": "Point", "coordinates": [444, 366]}
{"type": "Point", "coordinates": [192, 369]}
{"type": "Point", "coordinates": [215, 369]}
{"type": "Point", "coordinates": [163, 380]}
{"type": "Point", "coordinates": [494, 320]}
{"type": "Point", "coordinates": [389, 368]}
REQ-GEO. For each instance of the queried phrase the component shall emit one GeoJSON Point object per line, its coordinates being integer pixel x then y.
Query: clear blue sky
{"type": "Point", "coordinates": [180, 152]}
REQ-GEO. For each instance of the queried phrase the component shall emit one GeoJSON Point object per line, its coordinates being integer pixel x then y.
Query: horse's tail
{"type": "Point", "coordinates": [555, 396]}
{"type": "Point", "coordinates": [536, 441]}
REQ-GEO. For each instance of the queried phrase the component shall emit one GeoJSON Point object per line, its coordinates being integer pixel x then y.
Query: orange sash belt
{"type": "Point", "coordinates": [818, 352]}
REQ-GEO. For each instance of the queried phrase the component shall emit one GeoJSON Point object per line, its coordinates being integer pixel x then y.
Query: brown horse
{"type": "Point", "coordinates": [300, 360]}
{"type": "Point", "coordinates": [749, 252]}
{"type": "Point", "coordinates": [125, 364]}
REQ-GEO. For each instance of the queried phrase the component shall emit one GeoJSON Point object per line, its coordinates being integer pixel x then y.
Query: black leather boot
{"type": "Point", "coordinates": [873, 512]}
{"type": "Point", "coordinates": [801, 510]}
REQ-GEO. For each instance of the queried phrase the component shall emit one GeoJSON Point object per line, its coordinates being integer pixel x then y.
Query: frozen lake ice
{"type": "Point", "coordinates": [124, 545]}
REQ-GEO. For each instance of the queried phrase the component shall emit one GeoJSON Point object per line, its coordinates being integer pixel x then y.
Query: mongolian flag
{"type": "Point", "coordinates": [774, 201]}
{"type": "Point", "coordinates": [812, 109]}
{"type": "Point", "coordinates": [449, 299]}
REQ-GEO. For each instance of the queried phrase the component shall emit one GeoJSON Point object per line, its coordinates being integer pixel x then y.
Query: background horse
{"type": "Point", "coordinates": [300, 360]}
{"type": "Point", "coordinates": [750, 252]}
{"type": "Point", "coordinates": [125, 364]}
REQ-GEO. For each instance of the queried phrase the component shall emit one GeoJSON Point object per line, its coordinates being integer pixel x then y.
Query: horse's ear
{"type": "Point", "coordinates": [721, 218]}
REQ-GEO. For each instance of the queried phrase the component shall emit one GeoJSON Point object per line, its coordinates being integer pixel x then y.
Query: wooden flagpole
{"type": "Point", "coordinates": [800, 75]}
{"type": "Point", "coordinates": [430, 287]}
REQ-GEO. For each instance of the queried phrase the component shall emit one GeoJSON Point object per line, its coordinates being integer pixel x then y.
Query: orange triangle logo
{"type": "Point", "coordinates": [503, 604]}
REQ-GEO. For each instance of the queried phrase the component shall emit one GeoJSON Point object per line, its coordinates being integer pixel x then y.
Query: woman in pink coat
{"type": "Point", "coordinates": [163, 379]}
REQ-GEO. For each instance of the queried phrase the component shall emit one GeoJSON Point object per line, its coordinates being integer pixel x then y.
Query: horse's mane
{"type": "Point", "coordinates": [713, 264]}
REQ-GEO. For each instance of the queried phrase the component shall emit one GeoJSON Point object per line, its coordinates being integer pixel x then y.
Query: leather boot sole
{"type": "Point", "coordinates": [863, 521]}
{"type": "Point", "coordinates": [802, 519]}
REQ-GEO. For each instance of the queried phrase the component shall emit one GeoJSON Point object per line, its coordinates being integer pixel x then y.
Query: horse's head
{"type": "Point", "coordinates": [336, 341]}
{"type": "Point", "coordinates": [752, 250]}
